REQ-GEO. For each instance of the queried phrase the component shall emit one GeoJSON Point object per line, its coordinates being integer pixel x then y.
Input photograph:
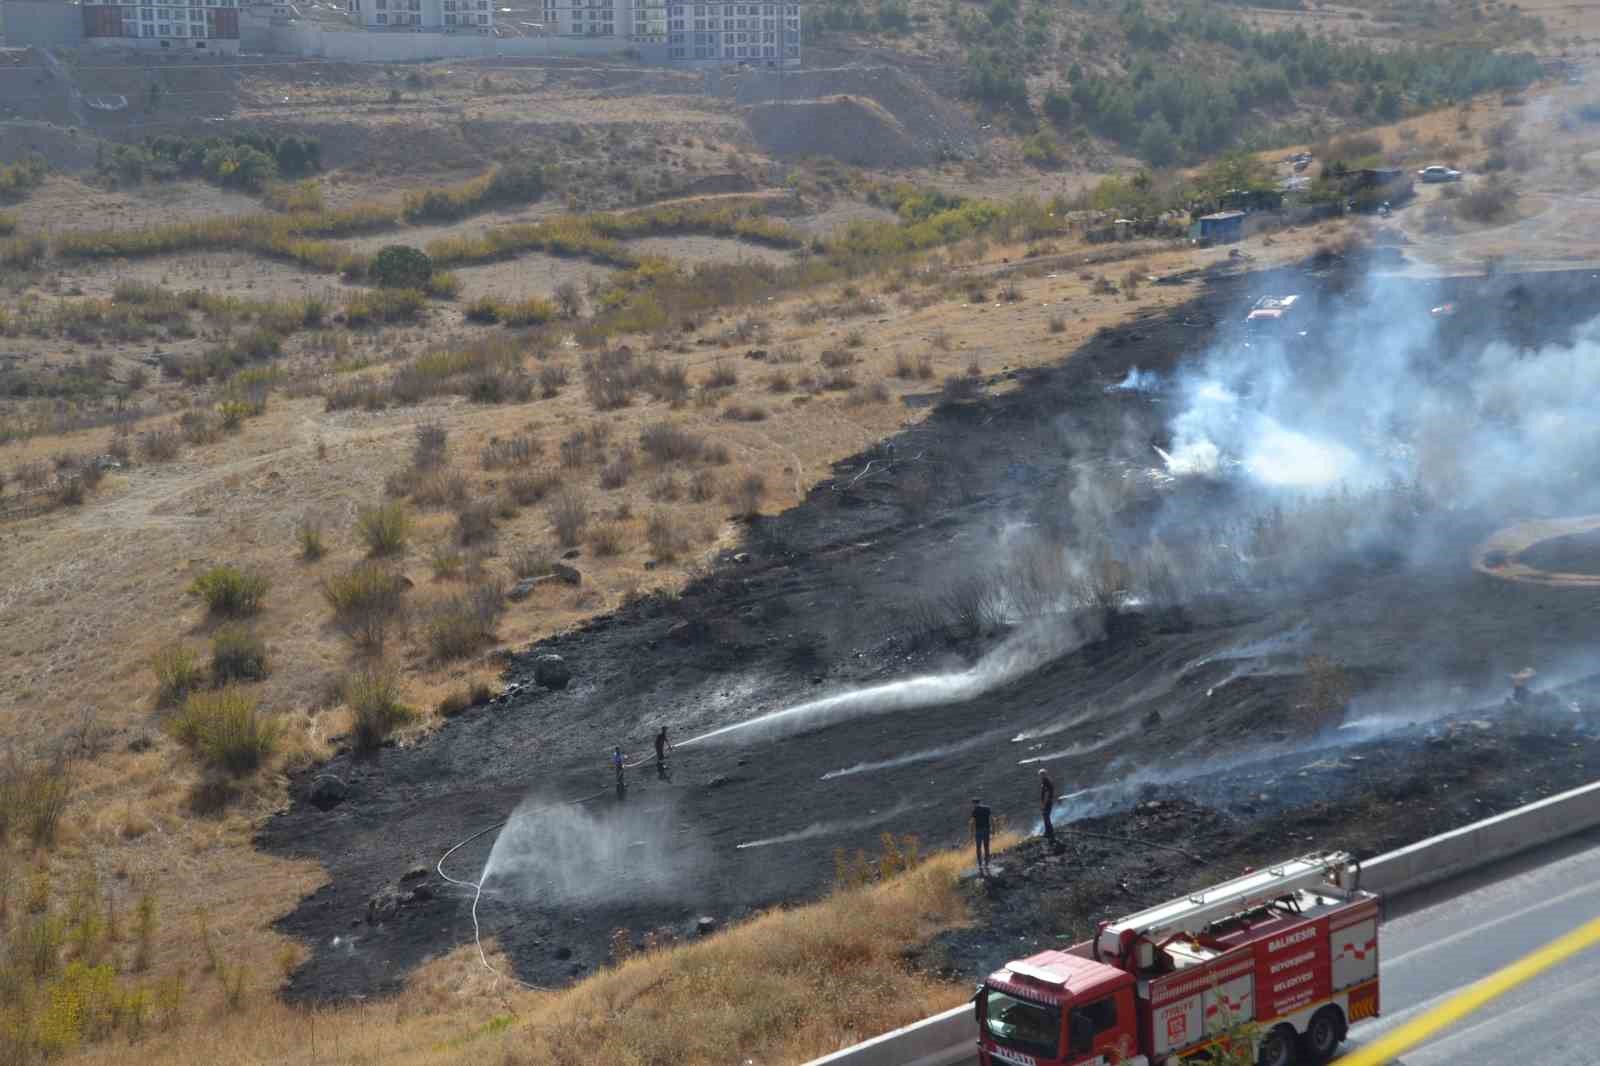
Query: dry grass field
{"type": "Point", "coordinates": [633, 454]}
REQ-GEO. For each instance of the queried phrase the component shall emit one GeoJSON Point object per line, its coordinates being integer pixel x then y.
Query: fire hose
{"type": "Point", "coordinates": [477, 886]}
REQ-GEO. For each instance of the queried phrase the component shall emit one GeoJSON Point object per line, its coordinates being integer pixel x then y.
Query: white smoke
{"type": "Point", "coordinates": [925, 755]}
{"type": "Point", "coordinates": [1368, 401]}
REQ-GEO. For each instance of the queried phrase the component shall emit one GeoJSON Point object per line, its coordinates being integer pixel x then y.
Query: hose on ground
{"type": "Point", "coordinates": [477, 886]}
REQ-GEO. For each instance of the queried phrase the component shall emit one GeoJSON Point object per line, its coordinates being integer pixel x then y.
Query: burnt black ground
{"type": "Point", "coordinates": [1576, 553]}
{"type": "Point", "coordinates": [821, 606]}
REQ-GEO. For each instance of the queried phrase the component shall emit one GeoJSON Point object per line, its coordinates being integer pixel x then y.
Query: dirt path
{"type": "Point", "coordinates": [1500, 555]}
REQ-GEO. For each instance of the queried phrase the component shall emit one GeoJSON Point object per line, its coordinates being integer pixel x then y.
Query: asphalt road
{"type": "Point", "coordinates": [1446, 938]}
{"type": "Point", "coordinates": [1438, 941]}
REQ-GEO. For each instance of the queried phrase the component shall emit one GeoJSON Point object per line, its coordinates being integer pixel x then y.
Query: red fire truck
{"type": "Point", "coordinates": [1290, 949]}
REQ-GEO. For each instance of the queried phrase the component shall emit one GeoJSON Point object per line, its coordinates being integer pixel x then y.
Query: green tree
{"type": "Point", "coordinates": [400, 266]}
{"type": "Point", "coordinates": [1157, 145]}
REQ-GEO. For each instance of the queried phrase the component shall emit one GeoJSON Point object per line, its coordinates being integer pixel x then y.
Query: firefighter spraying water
{"type": "Point", "coordinates": [1290, 949]}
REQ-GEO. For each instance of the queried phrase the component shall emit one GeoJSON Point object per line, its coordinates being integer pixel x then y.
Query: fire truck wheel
{"type": "Point", "coordinates": [1277, 1047]}
{"type": "Point", "coordinates": [1323, 1035]}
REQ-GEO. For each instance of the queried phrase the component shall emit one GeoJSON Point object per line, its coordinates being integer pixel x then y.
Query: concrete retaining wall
{"type": "Point", "coordinates": [1448, 855]}
{"type": "Point", "coordinates": [949, 1037]}
{"type": "Point", "coordinates": [937, 1041]}
{"type": "Point", "coordinates": [309, 39]}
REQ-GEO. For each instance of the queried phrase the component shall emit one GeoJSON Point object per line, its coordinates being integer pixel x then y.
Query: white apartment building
{"type": "Point", "coordinates": [203, 25]}
{"type": "Point", "coordinates": [424, 16]}
{"type": "Point", "coordinates": [765, 34]}
{"type": "Point", "coordinates": [760, 34]}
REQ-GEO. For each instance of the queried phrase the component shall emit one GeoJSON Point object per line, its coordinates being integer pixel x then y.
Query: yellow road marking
{"type": "Point", "coordinates": [1476, 996]}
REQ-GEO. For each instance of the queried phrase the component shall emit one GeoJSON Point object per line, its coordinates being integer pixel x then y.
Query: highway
{"type": "Point", "coordinates": [1438, 941]}
{"type": "Point", "coordinates": [1443, 939]}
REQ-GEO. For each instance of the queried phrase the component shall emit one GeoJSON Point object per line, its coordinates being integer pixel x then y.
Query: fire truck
{"type": "Point", "coordinates": [1290, 951]}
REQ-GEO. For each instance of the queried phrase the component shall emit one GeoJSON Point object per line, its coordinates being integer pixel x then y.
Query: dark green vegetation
{"type": "Point", "coordinates": [19, 179]}
{"type": "Point", "coordinates": [1183, 86]}
{"type": "Point", "coordinates": [240, 161]}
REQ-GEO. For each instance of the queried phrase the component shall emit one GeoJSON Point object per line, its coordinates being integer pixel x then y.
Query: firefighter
{"type": "Point", "coordinates": [617, 765]}
{"type": "Point", "coordinates": [1047, 802]}
{"type": "Point", "coordinates": [663, 745]}
{"type": "Point", "coordinates": [980, 835]}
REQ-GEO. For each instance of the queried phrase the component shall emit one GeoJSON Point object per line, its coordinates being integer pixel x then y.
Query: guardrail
{"type": "Point", "coordinates": [951, 1037]}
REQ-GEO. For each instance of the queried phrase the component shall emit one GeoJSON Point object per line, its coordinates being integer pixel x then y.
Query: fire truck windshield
{"type": "Point", "coordinates": [1016, 1023]}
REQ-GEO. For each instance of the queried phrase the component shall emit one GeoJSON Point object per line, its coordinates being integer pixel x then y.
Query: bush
{"type": "Point", "coordinates": [569, 514]}
{"type": "Point", "coordinates": [228, 590]}
{"type": "Point", "coordinates": [431, 445]}
{"type": "Point", "coordinates": [366, 602]}
{"type": "Point", "coordinates": [374, 700]}
{"type": "Point", "coordinates": [703, 486]}
{"type": "Point", "coordinates": [33, 797]}
{"type": "Point", "coordinates": [667, 535]}
{"type": "Point", "coordinates": [736, 412]}
{"type": "Point", "coordinates": [178, 673]}
{"type": "Point", "coordinates": [386, 529]}
{"type": "Point", "coordinates": [527, 489]}
{"type": "Point", "coordinates": [225, 730]}
{"type": "Point", "coordinates": [530, 562]}
{"type": "Point", "coordinates": [552, 376]}
{"type": "Point", "coordinates": [309, 533]}
{"type": "Point", "coordinates": [607, 539]}
{"type": "Point", "coordinates": [160, 445]}
{"type": "Point", "coordinates": [518, 451]}
{"type": "Point", "coordinates": [475, 523]}
{"type": "Point", "coordinates": [616, 473]}
{"type": "Point", "coordinates": [237, 654]}
{"type": "Point", "coordinates": [400, 266]}
{"type": "Point", "coordinates": [458, 626]}
{"type": "Point", "coordinates": [666, 442]}
{"type": "Point", "coordinates": [745, 498]}
{"type": "Point", "coordinates": [722, 376]}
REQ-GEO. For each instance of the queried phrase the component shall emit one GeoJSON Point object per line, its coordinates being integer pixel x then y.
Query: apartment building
{"type": "Point", "coordinates": [765, 34]}
{"type": "Point", "coordinates": [199, 25]}
{"type": "Point", "coordinates": [424, 16]}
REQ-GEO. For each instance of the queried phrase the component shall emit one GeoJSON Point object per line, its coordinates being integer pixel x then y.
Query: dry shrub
{"type": "Point", "coordinates": [736, 412]}
{"type": "Point", "coordinates": [703, 486]}
{"type": "Point", "coordinates": [431, 445]}
{"type": "Point", "coordinates": [160, 445]}
{"type": "Point", "coordinates": [530, 561]}
{"type": "Point", "coordinates": [237, 654]}
{"type": "Point", "coordinates": [667, 534]}
{"type": "Point", "coordinates": [841, 380]}
{"type": "Point", "coordinates": [178, 673]}
{"type": "Point", "coordinates": [367, 601]}
{"type": "Point", "coordinates": [610, 377]}
{"type": "Point", "coordinates": [458, 626]}
{"type": "Point", "coordinates": [569, 514]}
{"type": "Point", "coordinates": [446, 560]}
{"type": "Point", "coordinates": [833, 358]}
{"type": "Point", "coordinates": [1058, 324]}
{"type": "Point", "coordinates": [385, 529]}
{"type": "Point", "coordinates": [552, 376]}
{"type": "Point", "coordinates": [745, 497]}
{"type": "Point", "coordinates": [778, 382]}
{"type": "Point", "coordinates": [439, 489]}
{"type": "Point", "coordinates": [666, 488]}
{"type": "Point", "coordinates": [518, 451]}
{"type": "Point", "coordinates": [475, 523]}
{"type": "Point", "coordinates": [225, 730]}
{"type": "Point", "coordinates": [1326, 694]}
{"type": "Point", "coordinates": [228, 590]}
{"type": "Point", "coordinates": [529, 489]}
{"type": "Point", "coordinates": [616, 473]}
{"type": "Point", "coordinates": [373, 696]}
{"type": "Point", "coordinates": [607, 539]}
{"type": "Point", "coordinates": [723, 375]}
{"type": "Point", "coordinates": [670, 384]}
{"type": "Point", "coordinates": [309, 534]}
{"type": "Point", "coordinates": [666, 442]}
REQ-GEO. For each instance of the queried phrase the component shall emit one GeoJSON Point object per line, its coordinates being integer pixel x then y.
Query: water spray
{"type": "Point", "coordinates": [818, 829]}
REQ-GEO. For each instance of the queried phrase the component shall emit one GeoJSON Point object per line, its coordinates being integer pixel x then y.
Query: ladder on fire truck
{"type": "Point", "coordinates": [1329, 873]}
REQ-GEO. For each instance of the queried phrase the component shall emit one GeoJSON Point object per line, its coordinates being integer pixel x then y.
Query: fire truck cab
{"type": "Point", "coordinates": [1290, 948]}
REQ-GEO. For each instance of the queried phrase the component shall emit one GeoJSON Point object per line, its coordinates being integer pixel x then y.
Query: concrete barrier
{"type": "Point", "coordinates": [937, 1041]}
{"type": "Point", "coordinates": [950, 1037]}
{"type": "Point", "coordinates": [1451, 854]}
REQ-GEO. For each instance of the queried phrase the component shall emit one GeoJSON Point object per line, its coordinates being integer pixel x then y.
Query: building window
{"type": "Point", "coordinates": [383, 20]}
{"type": "Point", "coordinates": [677, 53]}
{"type": "Point", "coordinates": [483, 20]}
{"type": "Point", "coordinates": [166, 30]}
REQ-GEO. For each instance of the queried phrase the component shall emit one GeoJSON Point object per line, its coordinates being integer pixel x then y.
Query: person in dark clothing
{"type": "Point", "coordinates": [1047, 802]}
{"type": "Point", "coordinates": [617, 765]}
{"type": "Point", "coordinates": [980, 834]}
{"type": "Point", "coordinates": [663, 745]}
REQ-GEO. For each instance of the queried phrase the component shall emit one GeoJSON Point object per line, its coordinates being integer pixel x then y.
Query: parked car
{"type": "Point", "coordinates": [1438, 172]}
